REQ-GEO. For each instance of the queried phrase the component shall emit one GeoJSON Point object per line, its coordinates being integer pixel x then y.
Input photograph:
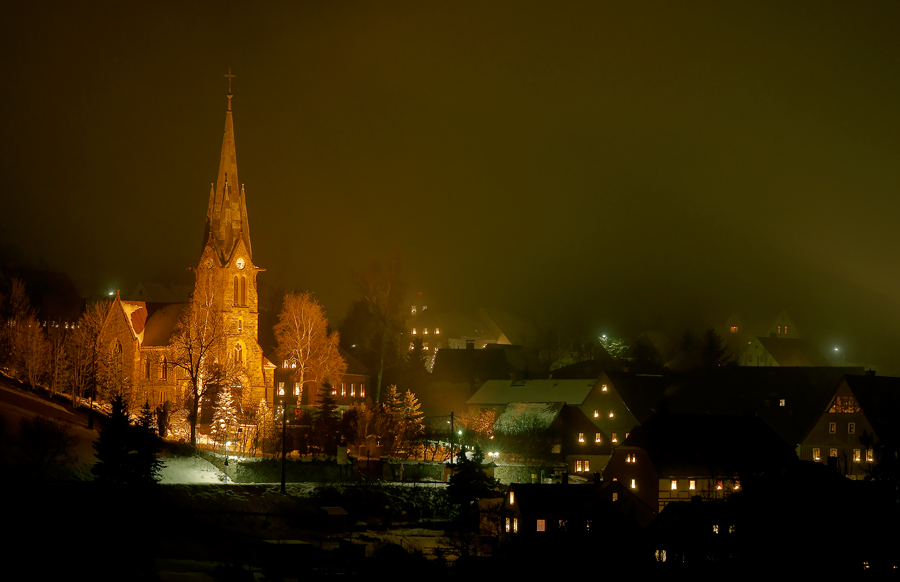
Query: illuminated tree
{"type": "Point", "coordinates": [84, 350]}
{"type": "Point", "coordinates": [199, 339]}
{"type": "Point", "coordinates": [225, 416]}
{"type": "Point", "coordinates": [304, 341]}
{"type": "Point", "coordinates": [32, 351]}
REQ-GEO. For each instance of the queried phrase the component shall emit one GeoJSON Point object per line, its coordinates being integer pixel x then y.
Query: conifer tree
{"type": "Point", "coordinates": [224, 417]}
{"type": "Point", "coordinates": [126, 454]}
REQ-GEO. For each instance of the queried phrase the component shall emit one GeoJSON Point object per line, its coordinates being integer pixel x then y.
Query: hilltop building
{"type": "Point", "coordinates": [137, 335]}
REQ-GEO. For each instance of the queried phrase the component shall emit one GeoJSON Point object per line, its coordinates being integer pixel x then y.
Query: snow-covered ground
{"type": "Point", "coordinates": [189, 470]}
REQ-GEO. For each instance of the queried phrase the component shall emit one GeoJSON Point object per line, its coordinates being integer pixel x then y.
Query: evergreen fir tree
{"type": "Point", "coordinates": [470, 482]}
{"type": "Point", "coordinates": [126, 454]}
{"type": "Point", "coordinates": [224, 417]}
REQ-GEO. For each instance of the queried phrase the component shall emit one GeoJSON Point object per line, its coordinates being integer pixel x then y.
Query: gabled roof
{"type": "Point", "coordinates": [162, 319]}
{"type": "Point", "coordinates": [758, 391]}
{"type": "Point", "coordinates": [506, 391]}
{"type": "Point", "coordinates": [879, 398]}
{"type": "Point", "coordinates": [354, 366]}
{"type": "Point", "coordinates": [641, 393]}
{"type": "Point", "coordinates": [706, 444]}
{"type": "Point", "coordinates": [793, 352]}
{"type": "Point", "coordinates": [470, 365]}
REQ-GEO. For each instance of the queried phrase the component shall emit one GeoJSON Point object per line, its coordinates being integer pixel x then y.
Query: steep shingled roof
{"type": "Point", "coordinates": [505, 391]}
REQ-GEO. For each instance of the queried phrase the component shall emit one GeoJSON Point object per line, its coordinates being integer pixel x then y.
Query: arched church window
{"type": "Point", "coordinates": [237, 294]}
{"type": "Point", "coordinates": [243, 290]}
{"type": "Point", "coordinates": [164, 370]}
{"type": "Point", "coordinates": [238, 354]}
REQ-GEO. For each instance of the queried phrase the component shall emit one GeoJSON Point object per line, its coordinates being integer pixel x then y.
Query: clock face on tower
{"type": "Point", "coordinates": [240, 263]}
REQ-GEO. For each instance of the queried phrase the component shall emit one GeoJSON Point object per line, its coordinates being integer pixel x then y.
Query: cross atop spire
{"type": "Point", "coordinates": [229, 76]}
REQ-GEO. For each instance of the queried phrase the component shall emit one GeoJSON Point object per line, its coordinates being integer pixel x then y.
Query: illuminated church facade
{"type": "Point", "coordinates": [136, 339]}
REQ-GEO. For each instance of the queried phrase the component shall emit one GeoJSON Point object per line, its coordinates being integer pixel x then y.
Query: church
{"type": "Point", "coordinates": [138, 337]}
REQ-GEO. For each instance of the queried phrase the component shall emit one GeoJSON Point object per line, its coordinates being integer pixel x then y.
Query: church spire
{"type": "Point", "coordinates": [227, 214]}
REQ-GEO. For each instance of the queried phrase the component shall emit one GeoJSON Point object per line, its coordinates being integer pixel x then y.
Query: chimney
{"type": "Point", "coordinates": [870, 372]}
{"type": "Point", "coordinates": [470, 344]}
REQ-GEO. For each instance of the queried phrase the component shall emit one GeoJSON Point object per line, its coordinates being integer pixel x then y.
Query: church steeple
{"type": "Point", "coordinates": [226, 216]}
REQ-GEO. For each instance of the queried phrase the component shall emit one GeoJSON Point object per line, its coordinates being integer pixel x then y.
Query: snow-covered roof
{"type": "Point", "coordinates": [504, 392]}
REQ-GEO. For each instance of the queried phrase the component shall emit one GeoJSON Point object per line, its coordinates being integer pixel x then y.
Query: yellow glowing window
{"type": "Point", "coordinates": [832, 452]}
{"type": "Point", "coordinates": [596, 414]}
{"type": "Point", "coordinates": [734, 329]}
{"type": "Point", "coordinates": [603, 388]}
{"type": "Point", "coordinates": [597, 438]}
{"type": "Point", "coordinates": [507, 525]}
{"type": "Point", "coordinates": [781, 402]}
{"type": "Point", "coordinates": [611, 414]}
{"type": "Point", "coordinates": [587, 466]}
{"type": "Point", "coordinates": [412, 345]}
{"type": "Point", "coordinates": [817, 455]}
{"type": "Point", "coordinates": [857, 457]}
{"type": "Point", "coordinates": [541, 525]}
{"type": "Point", "coordinates": [413, 309]}
{"type": "Point", "coordinates": [414, 331]}
{"type": "Point", "coordinates": [352, 389]}
{"type": "Point", "coordinates": [296, 388]}
{"type": "Point", "coordinates": [437, 330]}
{"type": "Point", "coordinates": [343, 389]}
{"type": "Point", "coordinates": [737, 485]}
{"type": "Point", "coordinates": [634, 483]}
{"type": "Point", "coordinates": [870, 455]}
{"type": "Point", "coordinates": [512, 497]}
{"type": "Point", "coordinates": [674, 485]}
{"type": "Point", "coordinates": [515, 524]}
{"type": "Point", "coordinates": [615, 496]}
{"type": "Point", "coordinates": [613, 438]}
{"type": "Point", "coordinates": [362, 390]}
{"type": "Point", "coordinates": [578, 467]}
{"type": "Point", "coordinates": [281, 388]}
{"type": "Point", "coordinates": [692, 485]}
{"type": "Point", "coordinates": [715, 529]}
{"type": "Point", "coordinates": [581, 437]}
{"type": "Point", "coordinates": [425, 331]}
{"type": "Point", "coordinates": [719, 485]}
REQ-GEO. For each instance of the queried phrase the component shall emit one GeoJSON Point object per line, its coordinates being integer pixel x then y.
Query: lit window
{"type": "Point", "coordinates": [413, 309]}
{"type": "Point", "coordinates": [857, 457]}
{"type": "Point", "coordinates": [578, 467]}
{"type": "Point", "coordinates": [425, 331]}
{"type": "Point", "coordinates": [414, 331]}
{"type": "Point", "coordinates": [597, 438]}
{"type": "Point", "coordinates": [870, 455]}
{"type": "Point", "coordinates": [634, 483]}
{"type": "Point", "coordinates": [515, 524]}
{"type": "Point", "coordinates": [731, 529]}
{"type": "Point", "coordinates": [692, 484]}
{"type": "Point", "coordinates": [362, 390]}
{"type": "Point", "coordinates": [781, 402]}
{"type": "Point", "coordinates": [845, 404]}
{"type": "Point", "coordinates": [626, 434]}
{"type": "Point", "coordinates": [851, 427]}
{"type": "Point", "coordinates": [581, 437]}
{"type": "Point", "coordinates": [832, 452]}
{"type": "Point", "coordinates": [832, 427]}
{"type": "Point", "coordinates": [512, 497]}
{"type": "Point", "coordinates": [613, 438]}
{"type": "Point", "coordinates": [596, 414]}
{"type": "Point", "coordinates": [412, 345]}
{"type": "Point", "coordinates": [281, 388]}
{"type": "Point", "coordinates": [817, 455]}
{"type": "Point", "coordinates": [719, 485]}
{"type": "Point", "coordinates": [674, 485]}
{"type": "Point", "coordinates": [343, 389]}
{"type": "Point", "coordinates": [715, 529]}
{"type": "Point", "coordinates": [437, 330]}
{"type": "Point", "coordinates": [541, 525]}
{"type": "Point", "coordinates": [629, 458]}
{"type": "Point", "coordinates": [603, 388]}
{"type": "Point", "coordinates": [507, 525]}
{"type": "Point", "coordinates": [334, 391]}
{"type": "Point", "coordinates": [785, 330]}
{"type": "Point", "coordinates": [296, 388]}
{"type": "Point", "coordinates": [737, 485]}
{"type": "Point", "coordinates": [615, 496]}
{"type": "Point", "coordinates": [352, 389]}
{"type": "Point", "coordinates": [734, 329]}
{"type": "Point", "coordinates": [425, 346]}
{"type": "Point", "coordinates": [587, 466]}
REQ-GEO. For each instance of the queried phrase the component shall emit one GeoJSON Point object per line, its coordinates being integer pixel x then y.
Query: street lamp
{"type": "Point", "coordinates": [843, 356]}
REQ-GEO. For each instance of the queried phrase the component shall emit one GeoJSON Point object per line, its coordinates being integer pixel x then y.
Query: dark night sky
{"type": "Point", "coordinates": [602, 166]}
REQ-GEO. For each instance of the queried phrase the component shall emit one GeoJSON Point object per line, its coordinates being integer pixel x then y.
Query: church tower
{"type": "Point", "coordinates": [226, 267]}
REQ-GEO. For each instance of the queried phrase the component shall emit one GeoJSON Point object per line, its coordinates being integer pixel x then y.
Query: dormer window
{"type": "Point", "coordinates": [581, 437]}
{"type": "Point", "coordinates": [603, 388]}
{"type": "Point", "coordinates": [597, 438]}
